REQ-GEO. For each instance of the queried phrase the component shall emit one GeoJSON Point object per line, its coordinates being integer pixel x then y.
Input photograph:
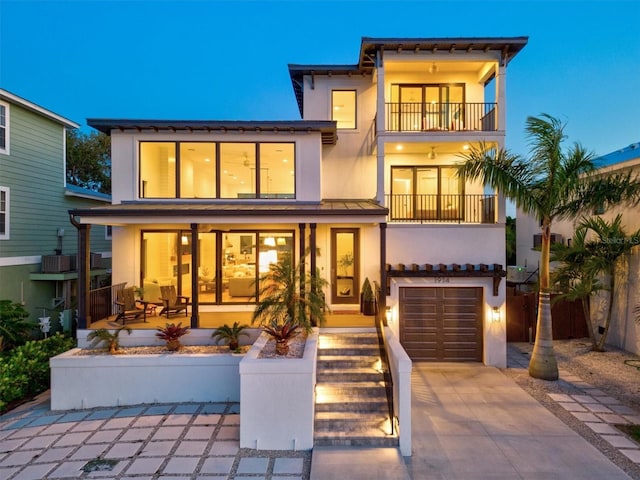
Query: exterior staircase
{"type": "Point", "coordinates": [351, 401]}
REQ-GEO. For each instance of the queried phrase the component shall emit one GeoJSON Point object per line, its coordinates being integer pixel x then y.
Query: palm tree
{"type": "Point", "coordinates": [111, 339]}
{"type": "Point", "coordinates": [587, 260]}
{"type": "Point", "coordinates": [290, 297]}
{"type": "Point", "coordinates": [550, 185]}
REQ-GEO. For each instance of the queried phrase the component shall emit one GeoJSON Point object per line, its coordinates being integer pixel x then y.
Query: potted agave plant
{"type": "Point", "coordinates": [230, 335]}
{"type": "Point", "coordinates": [171, 334]}
{"type": "Point", "coordinates": [282, 311]}
{"type": "Point", "coordinates": [110, 339]}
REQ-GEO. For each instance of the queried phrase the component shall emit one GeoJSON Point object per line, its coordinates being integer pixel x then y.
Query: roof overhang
{"type": "Point", "coordinates": [508, 47]}
{"type": "Point", "coordinates": [12, 98]}
{"type": "Point", "coordinates": [326, 128]}
{"type": "Point", "coordinates": [133, 213]}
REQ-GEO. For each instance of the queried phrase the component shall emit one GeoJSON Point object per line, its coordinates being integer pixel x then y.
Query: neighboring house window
{"type": "Point", "coordinates": [217, 170]}
{"type": "Point", "coordinates": [343, 108]}
{"type": "Point", "coordinates": [4, 213]}
{"type": "Point", "coordinates": [4, 128]}
{"type": "Point", "coordinates": [107, 232]}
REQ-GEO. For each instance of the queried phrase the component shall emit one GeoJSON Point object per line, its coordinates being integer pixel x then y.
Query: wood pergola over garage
{"type": "Point", "coordinates": [443, 324]}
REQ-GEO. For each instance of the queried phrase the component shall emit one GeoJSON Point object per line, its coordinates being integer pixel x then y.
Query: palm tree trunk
{"type": "Point", "coordinates": [587, 316]}
{"type": "Point", "coordinates": [543, 363]}
{"type": "Point", "coordinates": [607, 321]}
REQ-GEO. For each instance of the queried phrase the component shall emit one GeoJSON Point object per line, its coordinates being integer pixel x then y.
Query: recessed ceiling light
{"type": "Point", "coordinates": [465, 146]}
{"type": "Point", "coordinates": [399, 147]}
{"type": "Point", "coordinates": [284, 160]}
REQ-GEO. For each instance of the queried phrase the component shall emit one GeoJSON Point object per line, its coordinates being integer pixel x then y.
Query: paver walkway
{"type": "Point", "coordinates": [168, 441]}
{"type": "Point", "coordinates": [591, 406]}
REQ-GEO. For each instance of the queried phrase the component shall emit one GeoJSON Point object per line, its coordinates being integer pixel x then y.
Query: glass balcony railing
{"type": "Point", "coordinates": [428, 117]}
{"type": "Point", "coordinates": [441, 208]}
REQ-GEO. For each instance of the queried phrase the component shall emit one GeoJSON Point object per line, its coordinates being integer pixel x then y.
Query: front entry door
{"type": "Point", "coordinates": [345, 265]}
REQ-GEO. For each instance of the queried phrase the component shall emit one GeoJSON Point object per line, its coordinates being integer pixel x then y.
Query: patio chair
{"type": "Point", "coordinates": [172, 302]}
{"type": "Point", "coordinates": [129, 307]}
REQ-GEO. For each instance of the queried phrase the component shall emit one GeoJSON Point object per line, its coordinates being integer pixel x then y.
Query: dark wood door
{"type": "Point", "coordinates": [441, 323]}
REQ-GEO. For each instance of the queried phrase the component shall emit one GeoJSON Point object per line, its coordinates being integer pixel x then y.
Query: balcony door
{"type": "Point", "coordinates": [426, 193]}
{"type": "Point", "coordinates": [431, 107]}
{"type": "Point", "coordinates": [345, 265]}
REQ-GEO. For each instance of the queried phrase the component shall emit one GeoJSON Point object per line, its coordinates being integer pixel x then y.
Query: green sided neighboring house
{"type": "Point", "coordinates": [38, 243]}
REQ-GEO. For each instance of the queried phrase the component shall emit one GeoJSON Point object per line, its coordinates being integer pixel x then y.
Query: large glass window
{"type": "Point", "coordinates": [4, 213]}
{"type": "Point", "coordinates": [426, 193]}
{"type": "Point", "coordinates": [277, 170]}
{"type": "Point", "coordinates": [158, 170]}
{"type": "Point", "coordinates": [343, 108]}
{"type": "Point", "coordinates": [238, 173]}
{"type": "Point", "coordinates": [4, 128]}
{"type": "Point", "coordinates": [238, 170]}
{"type": "Point", "coordinates": [197, 170]}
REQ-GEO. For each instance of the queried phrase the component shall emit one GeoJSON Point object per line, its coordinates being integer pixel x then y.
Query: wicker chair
{"type": "Point", "coordinates": [172, 302]}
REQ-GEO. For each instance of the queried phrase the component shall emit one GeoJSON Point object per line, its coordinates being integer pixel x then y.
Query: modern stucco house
{"type": "Point", "coordinates": [624, 331]}
{"type": "Point", "coordinates": [37, 240]}
{"type": "Point", "coordinates": [366, 181]}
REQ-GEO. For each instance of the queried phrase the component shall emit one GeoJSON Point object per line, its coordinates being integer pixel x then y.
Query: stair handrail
{"type": "Point", "coordinates": [384, 361]}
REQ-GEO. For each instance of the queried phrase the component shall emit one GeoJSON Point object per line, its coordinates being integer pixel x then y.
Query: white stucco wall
{"type": "Point", "coordinates": [125, 158]}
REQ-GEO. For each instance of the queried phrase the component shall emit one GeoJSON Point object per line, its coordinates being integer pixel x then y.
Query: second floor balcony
{"type": "Point", "coordinates": [450, 208]}
{"type": "Point", "coordinates": [432, 117]}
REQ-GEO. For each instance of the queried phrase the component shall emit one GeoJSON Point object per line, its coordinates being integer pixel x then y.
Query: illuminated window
{"type": "Point", "coordinates": [343, 108]}
{"type": "Point", "coordinates": [197, 170]}
{"type": "Point", "coordinates": [277, 170]}
{"type": "Point", "coordinates": [158, 170]}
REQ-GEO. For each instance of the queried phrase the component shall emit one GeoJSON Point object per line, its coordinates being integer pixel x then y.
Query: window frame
{"type": "Point", "coordinates": [7, 123]}
{"type": "Point", "coordinates": [259, 195]}
{"type": "Point", "coordinates": [7, 217]}
{"type": "Point", "coordinates": [355, 107]}
{"type": "Point", "coordinates": [108, 232]}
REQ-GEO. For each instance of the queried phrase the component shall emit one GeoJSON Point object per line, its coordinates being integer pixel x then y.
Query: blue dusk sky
{"type": "Point", "coordinates": [227, 60]}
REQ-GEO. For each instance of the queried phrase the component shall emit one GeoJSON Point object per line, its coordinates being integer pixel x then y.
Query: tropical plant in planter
{"type": "Point", "coordinates": [111, 339]}
{"type": "Point", "coordinates": [282, 332]}
{"type": "Point", "coordinates": [367, 298]}
{"type": "Point", "coordinates": [171, 334]}
{"type": "Point", "coordinates": [289, 299]}
{"type": "Point", "coordinates": [230, 335]}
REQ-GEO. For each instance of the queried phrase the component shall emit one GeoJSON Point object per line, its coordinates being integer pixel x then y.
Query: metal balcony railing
{"type": "Point", "coordinates": [441, 208]}
{"type": "Point", "coordinates": [427, 117]}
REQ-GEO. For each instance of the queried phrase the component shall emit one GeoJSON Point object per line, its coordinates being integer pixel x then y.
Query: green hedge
{"type": "Point", "coordinates": [24, 371]}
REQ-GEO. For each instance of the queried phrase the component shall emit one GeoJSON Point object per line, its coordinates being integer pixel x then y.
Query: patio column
{"type": "Point", "coordinates": [303, 247]}
{"type": "Point", "coordinates": [195, 287]}
{"type": "Point", "coordinates": [312, 248]}
{"type": "Point", "coordinates": [382, 305]}
{"type": "Point", "coordinates": [83, 264]}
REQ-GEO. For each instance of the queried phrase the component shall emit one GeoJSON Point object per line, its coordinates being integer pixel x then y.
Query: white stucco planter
{"type": "Point", "coordinates": [278, 398]}
{"type": "Point", "coordinates": [85, 381]}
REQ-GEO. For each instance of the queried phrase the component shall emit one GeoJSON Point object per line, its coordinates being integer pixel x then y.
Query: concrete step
{"type": "Point", "coordinates": [348, 375]}
{"type": "Point", "coordinates": [354, 404]}
{"type": "Point", "coordinates": [332, 362]}
{"type": "Point", "coordinates": [352, 422]}
{"type": "Point", "coordinates": [350, 439]}
{"type": "Point", "coordinates": [330, 339]}
{"type": "Point", "coordinates": [351, 389]}
{"type": "Point", "coordinates": [351, 350]}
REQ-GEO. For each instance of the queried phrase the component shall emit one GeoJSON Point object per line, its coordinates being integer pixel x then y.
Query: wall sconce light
{"type": "Point", "coordinates": [495, 314]}
{"type": "Point", "coordinates": [185, 240]}
{"type": "Point", "coordinates": [388, 314]}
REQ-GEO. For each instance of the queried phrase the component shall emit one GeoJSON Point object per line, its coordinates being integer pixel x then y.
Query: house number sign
{"type": "Point", "coordinates": [440, 279]}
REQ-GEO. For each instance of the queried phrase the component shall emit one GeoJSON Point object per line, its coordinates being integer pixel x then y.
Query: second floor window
{"type": "Point", "coordinates": [4, 213]}
{"type": "Point", "coordinates": [343, 108]}
{"type": "Point", "coordinates": [4, 128]}
{"type": "Point", "coordinates": [217, 170]}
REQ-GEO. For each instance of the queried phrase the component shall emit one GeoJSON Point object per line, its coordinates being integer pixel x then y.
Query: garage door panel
{"type": "Point", "coordinates": [441, 323]}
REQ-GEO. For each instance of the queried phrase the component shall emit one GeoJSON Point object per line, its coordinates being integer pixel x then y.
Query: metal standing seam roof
{"type": "Point", "coordinates": [326, 128]}
{"type": "Point", "coordinates": [234, 209]}
{"type": "Point", "coordinates": [619, 156]}
{"type": "Point", "coordinates": [508, 46]}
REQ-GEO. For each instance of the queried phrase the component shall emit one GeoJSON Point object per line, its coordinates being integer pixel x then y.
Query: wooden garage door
{"type": "Point", "coordinates": [441, 324]}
